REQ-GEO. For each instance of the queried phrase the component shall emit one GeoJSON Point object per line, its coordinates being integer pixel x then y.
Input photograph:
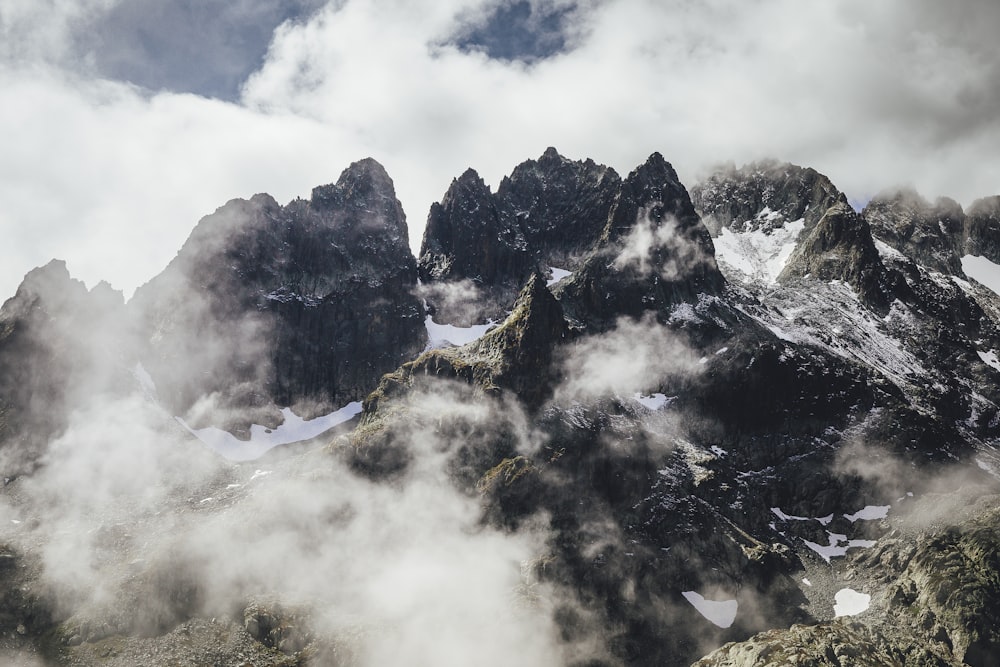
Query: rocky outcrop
{"type": "Point", "coordinates": [560, 205]}
{"type": "Point", "coordinates": [767, 194]}
{"type": "Point", "coordinates": [547, 213]}
{"type": "Point", "coordinates": [982, 229]}
{"type": "Point", "coordinates": [308, 302]}
{"type": "Point", "coordinates": [929, 234]}
{"type": "Point", "coordinates": [794, 223]}
{"type": "Point", "coordinates": [466, 237]}
{"type": "Point", "coordinates": [831, 644]}
{"type": "Point", "coordinates": [840, 247]}
{"type": "Point", "coordinates": [654, 252]}
{"type": "Point", "coordinates": [938, 235]}
{"type": "Point", "coordinates": [935, 573]}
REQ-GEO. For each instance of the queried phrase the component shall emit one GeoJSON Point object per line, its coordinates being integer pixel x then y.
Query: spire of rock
{"type": "Point", "coordinates": [466, 238]}
{"type": "Point", "coordinates": [522, 346]}
{"type": "Point", "coordinates": [840, 247]}
{"type": "Point", "coordinates": [560, 205]}
{"type": "Point", "coordinates": [653, 252]}
{"type": "Point", "coordinates": [929, 234]}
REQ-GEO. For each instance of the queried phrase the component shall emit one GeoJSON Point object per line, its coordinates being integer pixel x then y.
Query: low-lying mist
{"type": "Point", "coordinates": [139, 526]}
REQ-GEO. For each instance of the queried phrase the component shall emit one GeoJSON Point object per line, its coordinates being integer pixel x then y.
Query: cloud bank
{"type": "Point", "coordinates": [112, 177]}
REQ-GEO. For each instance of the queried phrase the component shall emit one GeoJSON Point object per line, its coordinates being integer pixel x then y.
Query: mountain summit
{"type": "Point", "coordinates": [597, 421]}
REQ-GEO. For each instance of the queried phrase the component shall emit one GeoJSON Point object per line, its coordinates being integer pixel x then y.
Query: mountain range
{"type": "Point", "coordinates": [597, 420]}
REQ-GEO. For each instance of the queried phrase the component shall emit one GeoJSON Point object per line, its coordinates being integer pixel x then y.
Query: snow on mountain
{"type": "Point", "coordinates": [758, 252]}
{"type": "Point", "coordinates": [442, 335]}
{"type": "Point", "coordinates": [262, 439]}
{"type": "Point", "coordinates": [720, 612]}
{"type": "Point", "coordinates": [982, 270]}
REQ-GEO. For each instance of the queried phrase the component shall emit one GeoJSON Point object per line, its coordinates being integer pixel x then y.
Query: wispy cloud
{"type": "Point", "coordinates": [872, 95]}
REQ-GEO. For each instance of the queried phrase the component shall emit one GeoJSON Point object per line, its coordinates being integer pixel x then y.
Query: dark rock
{"type": "Point", "coordinates": [312, 301]}
{"type": "Point", "coordinates": [560, 205]}
{"type": "Point", "coordinates": [60, 347]}
{"type": "Point", "coordinates": [547, 213]}
{"type": "Point", "coordinates": [929, 234]}
{"type": "Point", "coordinates": [982, 229]}
{"type": "Point", "coordinates": [736, 198]}
{"type": "Point", "coordinates": [467, 237]}
{"type": "Point", "coordinates": [653, 253]}
{"type": "Point", "coordinates": [840, 247]}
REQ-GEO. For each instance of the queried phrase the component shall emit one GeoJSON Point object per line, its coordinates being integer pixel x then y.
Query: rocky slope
{"type": "Point", "coordinates": [741, 425]}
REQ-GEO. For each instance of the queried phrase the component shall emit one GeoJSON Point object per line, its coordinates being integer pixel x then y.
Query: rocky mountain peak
{"type": "Point", "coordinates": [50, 283]}
{"type": "Point", "coordinates": [982, 234]}
{"type": "Point", "coordinates": [560, 205]}
{"type": "Point", "coordinates": [60, 346]}
{"type": "Point", "coordinates": [467, 238]}
{"type": "Point", "coordinates": [763, 194]}
{"type": "Point", "coordinates": [364, 197]}
{"type": "Point", "coordinates": [776, 222]}
{"type": "Point", "coordinates": [652, 192]}
{"type": "Point", "coordinates": [286, 298]}
{"type": "Point", "coordinates": [931, 234]}
{"type": "Point", "coordinates": [653, 252]}
{"type": "Point", "coordinates": [841, 247]}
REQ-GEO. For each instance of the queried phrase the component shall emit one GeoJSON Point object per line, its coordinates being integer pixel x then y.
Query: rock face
{"type": "Point", "coordinates": [799, 224]}
{"type": "Point", "coordinates": [59, 344]}
{"type": "Point", "coordinates": [737, 404]}
{"type": "Point", "coordinates": [560, 205]}
{"type": "Point", "coordinates": [936, 235]}
{"type": "Point", "coordinates": [654, 252]}
{"type": "Point", "coordinates": [736, 198]}
{"type": "Point", "coordinates": [466, 237]}
{"type": "Point", "coordinates": [841, 247]}
{"type": "Point", "coordinates": [547, 213]}
{"type": "Point", "coordinates": [982, 229]}
{"type": "Point", "coordinates": [931, 234]}
{"type": "Point", "coordinates": [311, 301]}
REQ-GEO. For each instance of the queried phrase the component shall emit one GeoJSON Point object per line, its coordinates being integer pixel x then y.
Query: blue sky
{"type": "Point", "coordinates": [124, 121]}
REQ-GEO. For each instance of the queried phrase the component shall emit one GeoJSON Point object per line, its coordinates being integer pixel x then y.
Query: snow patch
{"type": "Point", "coordinates": [990, 359]}
{"type": "Point", "coordinates": [849, 602]}
{"type": "Point", "coordinates": [653, 401]}
{"type": "Point", "coordinates": [787, 517]}
{"type": "Point", "coordinates": [557, 275]}
{"type": "Point", "coordinates": [791, 517]}
{"type": "Point", "coordinates": [982, 271]}
{"type": "Point", "coordinates": [720, 612]}
{"type": "Point", "coordinates": [759, 254]}
{"type": "Point", "coordinates": [442, 335]}
{"type": "Point", "coordinates": [886, 251]}
{"type": "Point", "coordinates": [835, 549]}
{"type": "Point", "coordinates": [262, 439]}
{"type": "Point", "coordinates": [869, 513]}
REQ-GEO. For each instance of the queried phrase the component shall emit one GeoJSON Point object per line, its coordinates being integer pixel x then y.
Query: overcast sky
{"type": "Point", "coordinates": [125, 121]}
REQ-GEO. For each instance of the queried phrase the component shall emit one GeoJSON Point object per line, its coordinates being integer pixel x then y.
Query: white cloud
{"type": "Point", "coordinates": [870, 94]}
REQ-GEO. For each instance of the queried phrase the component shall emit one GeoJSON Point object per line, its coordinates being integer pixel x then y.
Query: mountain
{"type": "Point", "coordinates": [597, 421]}
{"type": "Point", "coordinates": [264, 304]}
